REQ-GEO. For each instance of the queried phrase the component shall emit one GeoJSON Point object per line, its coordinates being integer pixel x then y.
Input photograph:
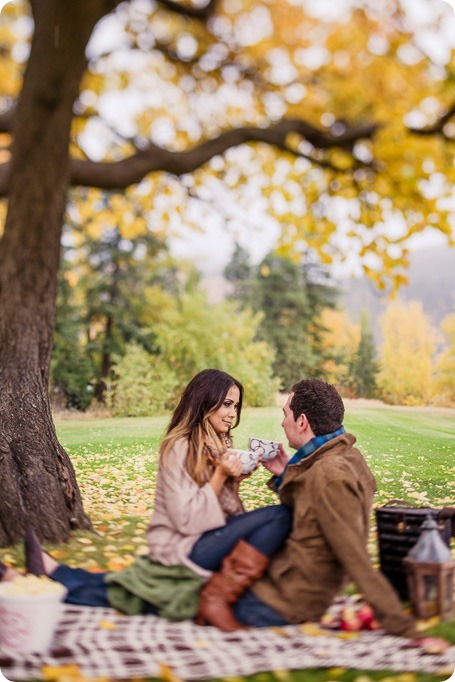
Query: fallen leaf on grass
{"type": "Point", "coordinates": [58, 554]}
{"type": "Point", "coordinates": [333, 673]}
{"type": "Point", "coordinates": [116, 564]}
{"type": "Point", "coordinates": [429, 623]}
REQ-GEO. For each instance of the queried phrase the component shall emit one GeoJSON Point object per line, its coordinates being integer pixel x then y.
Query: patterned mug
{"type": "Point", "coordinates": [267, 449]}
{"type": "Point", "coordinates": [249, 460]}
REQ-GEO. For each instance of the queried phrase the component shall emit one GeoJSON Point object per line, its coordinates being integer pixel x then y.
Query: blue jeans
{"type": "Point", "coordinates": [265, 529]}
{"type": "Point", "coordinates": [249, 610]}
{"type": "Point", "coordinates": [85, 588]}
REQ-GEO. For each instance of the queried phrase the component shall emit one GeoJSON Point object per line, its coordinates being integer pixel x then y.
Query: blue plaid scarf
{"type": "Point", "coordinates": [307, 450]}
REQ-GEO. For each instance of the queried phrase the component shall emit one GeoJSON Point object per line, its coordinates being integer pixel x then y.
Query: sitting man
{"type": "Point", "coordinates": [330, 488]}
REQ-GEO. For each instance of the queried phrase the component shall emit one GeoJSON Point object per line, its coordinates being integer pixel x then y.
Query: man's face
{"type": "Point", "coordinates": [292, 428]}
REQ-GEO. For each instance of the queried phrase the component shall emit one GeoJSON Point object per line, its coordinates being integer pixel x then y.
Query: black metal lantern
{"type": "Point", "coordinates": [430, 573]}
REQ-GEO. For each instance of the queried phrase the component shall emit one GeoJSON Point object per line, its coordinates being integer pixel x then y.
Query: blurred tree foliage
{"type": "Point", "coordinates": [444, 385]}
{"type": "Point", "coordinates": [362, 364]}
{"type": "Point", "coordinates": [291, 297]}
{"type": "Point", "coordinates": [191, 336]}
{"type": "Point", "coordinates": [407, 351]}
{"type": "Point", "coordinates": [339, 126]}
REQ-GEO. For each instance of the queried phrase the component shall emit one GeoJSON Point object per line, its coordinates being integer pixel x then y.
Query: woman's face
{"type": "Point", "coordinates": [222, 418]}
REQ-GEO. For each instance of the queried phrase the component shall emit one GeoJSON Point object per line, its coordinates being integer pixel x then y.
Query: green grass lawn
{"type": "Point", "coordinates": [410, 450]}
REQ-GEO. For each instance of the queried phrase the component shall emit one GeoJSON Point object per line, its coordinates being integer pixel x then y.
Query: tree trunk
{"type": "Point", "coordinates": [37, 481]}
{"type": "Point", "coordinates": [106, 363]}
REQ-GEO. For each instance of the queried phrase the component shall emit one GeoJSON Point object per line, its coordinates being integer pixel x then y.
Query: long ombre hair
{"type": "Point", "coordinates": [204, 395]}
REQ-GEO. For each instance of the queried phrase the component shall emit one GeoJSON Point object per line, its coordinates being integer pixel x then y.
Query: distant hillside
{"type": "Point", "coordinates": [431, 281]}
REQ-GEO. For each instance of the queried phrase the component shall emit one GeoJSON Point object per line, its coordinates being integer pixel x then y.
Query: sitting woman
{"type": "Point", "coordinates": [199, 521]}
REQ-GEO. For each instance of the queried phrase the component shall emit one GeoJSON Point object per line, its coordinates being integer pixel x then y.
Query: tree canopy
{"type": "Point", "coordinates": [336, 127]}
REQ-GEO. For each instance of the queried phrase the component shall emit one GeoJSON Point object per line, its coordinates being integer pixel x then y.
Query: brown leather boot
{"type": "Point", "coordinates": [239, 570]}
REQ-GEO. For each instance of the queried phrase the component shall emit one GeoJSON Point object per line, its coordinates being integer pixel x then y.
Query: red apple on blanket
{"type": "Point", "coordinates": [349, 619]}
{"type": "Point", "coordinates": [367, 620]}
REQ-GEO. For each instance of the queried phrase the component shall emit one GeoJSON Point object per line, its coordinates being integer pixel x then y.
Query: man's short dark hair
{"type": "Point", "coordinates": [320, 402]}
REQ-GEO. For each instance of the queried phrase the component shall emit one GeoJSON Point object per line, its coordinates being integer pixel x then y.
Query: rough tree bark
{"type": "Point", "coordinates": [37, 481]}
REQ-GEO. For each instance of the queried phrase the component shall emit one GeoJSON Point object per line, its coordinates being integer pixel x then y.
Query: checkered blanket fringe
{"type": "Point", "coordinates": [106, 644]}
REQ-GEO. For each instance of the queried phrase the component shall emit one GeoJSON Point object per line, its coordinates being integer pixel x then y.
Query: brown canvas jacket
{"type": "Point", "coordinates": [331, 493]}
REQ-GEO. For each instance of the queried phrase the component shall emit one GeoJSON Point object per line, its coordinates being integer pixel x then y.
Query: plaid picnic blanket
{"type": "Point", "coordinates": [103, 643]}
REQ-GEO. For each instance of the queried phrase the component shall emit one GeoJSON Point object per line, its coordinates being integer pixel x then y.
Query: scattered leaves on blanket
{"type": "Point", "coordinates": [347, 635]}
{"type": "Point", "coordinates": [201, 644]}
{"type": "Point", "coordinates": [281, 632]}
{"type": "Point", "coordinates": [107, 625]}
{"type": "Point", "coordinates": [56, 672]}
{"type": "Point", "coordinates": [167, 674]}
{"type": "Point", "coordinates": [67, 673]}
{"type": "Point", "coordinates": [312, 630]}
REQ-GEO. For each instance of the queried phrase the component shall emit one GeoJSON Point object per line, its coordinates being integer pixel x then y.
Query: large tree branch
{"type": "Point", "coordinates": [438, 127]}
{"type": "Point", "coordinates": [202, 13]}
{"type": "Point", "coordinates": [131, 170]}
{"type": "Point", "coordinates": [7, 119]}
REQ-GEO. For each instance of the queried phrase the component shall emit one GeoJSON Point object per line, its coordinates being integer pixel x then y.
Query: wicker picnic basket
{"type": "Point", "coordinates": [398, 528]}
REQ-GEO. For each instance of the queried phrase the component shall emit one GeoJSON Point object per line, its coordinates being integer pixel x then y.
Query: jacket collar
{"type": "Point", "coordinates": [305, 451]}
{"type": "Point", "coordinates": [325, 449]}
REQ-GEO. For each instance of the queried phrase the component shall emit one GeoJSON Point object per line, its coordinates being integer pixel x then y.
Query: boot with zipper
{"type": "Point", "coordinates": [239, 570]}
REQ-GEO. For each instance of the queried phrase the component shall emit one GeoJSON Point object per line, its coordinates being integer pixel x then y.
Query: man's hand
{"type": "Point", "coordinates": [277, 465]}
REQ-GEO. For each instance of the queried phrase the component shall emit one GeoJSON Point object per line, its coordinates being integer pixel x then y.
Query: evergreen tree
{"type": "Point", "coordinates": [291, 297]}
{"type": "Point", "coordinates": [239, 272]}
{"type": "Point", "coordinates": [72, 370]}
{"type": "Point", "coordinates": [117, 282]}
{"type": "Point", "coordinates": [362, 366]}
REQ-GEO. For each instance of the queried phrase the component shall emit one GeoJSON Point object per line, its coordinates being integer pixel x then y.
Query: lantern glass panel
{"type": "Point", "coordinates": [448, 595]}
{"type": "Point", "coordinates": [430, 595]}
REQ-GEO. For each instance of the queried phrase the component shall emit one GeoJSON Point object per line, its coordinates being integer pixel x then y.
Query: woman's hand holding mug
{"type": "Point", "coordinates": [230, 465]}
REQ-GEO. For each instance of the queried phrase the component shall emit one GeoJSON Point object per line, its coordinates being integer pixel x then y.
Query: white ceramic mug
{"type": "Point", "coordinates": [267, 449]}
{"type": "Point", "coordinates": [249, 460]}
